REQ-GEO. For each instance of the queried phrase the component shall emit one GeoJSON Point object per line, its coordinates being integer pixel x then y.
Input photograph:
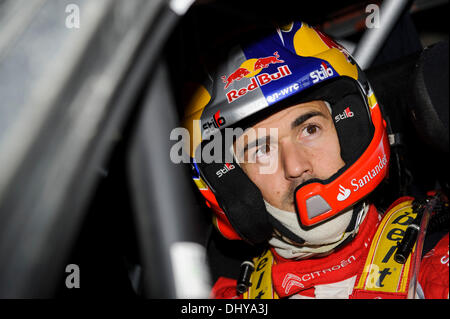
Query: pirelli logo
{"type": "Point", "coordinates": [381, 272]}
{"type": "Point", "coordinates": [261, 279]}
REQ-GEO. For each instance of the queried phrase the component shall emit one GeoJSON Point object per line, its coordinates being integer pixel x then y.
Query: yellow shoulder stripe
{"type": "Point", "coordinates": [261, 279]}
{"type": "Point", "coordinates": [381, 272]}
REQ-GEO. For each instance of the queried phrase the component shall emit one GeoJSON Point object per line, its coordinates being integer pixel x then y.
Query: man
{"type": "Point", "coordinates": [298, 143]}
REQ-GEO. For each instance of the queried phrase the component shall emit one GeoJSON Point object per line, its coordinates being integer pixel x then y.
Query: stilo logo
{"type": "Point", "coordinates": [226, 168]}
{"type": "Point", "coordinates": [344, 193]}
{"type": "Point", "coordinates": [216, 122]}
{"type": "Point", "coordinates": [323, 73]}
{"type": "Point", "coordinates": [344, 115]}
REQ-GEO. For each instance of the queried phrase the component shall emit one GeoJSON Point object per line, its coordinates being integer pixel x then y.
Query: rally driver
{"type": "Point", "coordinates": [300, 180]}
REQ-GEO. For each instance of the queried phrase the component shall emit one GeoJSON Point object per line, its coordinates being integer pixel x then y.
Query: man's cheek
{"type": "Point", "coordinates": [269, 167]}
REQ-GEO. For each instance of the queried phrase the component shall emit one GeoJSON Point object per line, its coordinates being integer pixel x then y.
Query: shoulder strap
{"type": "Point", "coordinates": [261, 279]}
{"type": "Point", "coordinates": [382, 274]}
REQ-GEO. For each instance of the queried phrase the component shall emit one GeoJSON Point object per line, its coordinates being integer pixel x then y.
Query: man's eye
{"type": "Point", "coordinates": [263, 150]}
{"type": "Point", "coordinates": [311, 129]}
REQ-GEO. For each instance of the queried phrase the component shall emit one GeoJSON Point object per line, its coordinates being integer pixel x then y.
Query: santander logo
{"type": "Point", "coordinates": [344, 193]}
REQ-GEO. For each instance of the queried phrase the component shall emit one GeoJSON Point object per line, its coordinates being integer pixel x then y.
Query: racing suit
{"type": "Point", "coordinates": [363, 269]}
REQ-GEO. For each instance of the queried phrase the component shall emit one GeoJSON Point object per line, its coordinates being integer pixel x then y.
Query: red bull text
{"type": "Point", "coordinates": [258, 81]}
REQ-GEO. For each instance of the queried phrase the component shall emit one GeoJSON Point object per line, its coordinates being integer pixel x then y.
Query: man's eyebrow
{"type": "Point", "coordinates": [304, 117]}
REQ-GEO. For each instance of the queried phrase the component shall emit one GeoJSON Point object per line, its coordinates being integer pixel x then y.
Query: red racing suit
{"type": "Point", "coordinates": [363, 269]}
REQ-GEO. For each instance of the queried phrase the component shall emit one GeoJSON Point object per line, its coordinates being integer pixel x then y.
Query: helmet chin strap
{"type": "Point", "coordinates": [320, 240]}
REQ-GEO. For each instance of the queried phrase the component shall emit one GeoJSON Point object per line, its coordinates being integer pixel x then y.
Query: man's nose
{"type": "Point", "coordinates": [297, 162]}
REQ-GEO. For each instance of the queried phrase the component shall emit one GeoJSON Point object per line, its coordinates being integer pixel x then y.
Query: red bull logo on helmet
{"type": "Point", "coordinates": [235, 76]}
{"type": "Point", "coordinates": [251, 69]}
{"type": "Point", "coordinates": [246, 70]}
{"type": "Point", "coordinates": [263, 63]}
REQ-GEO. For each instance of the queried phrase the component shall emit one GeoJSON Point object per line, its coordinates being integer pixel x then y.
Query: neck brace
{"type": "Point", "coordinates": [320, 240]}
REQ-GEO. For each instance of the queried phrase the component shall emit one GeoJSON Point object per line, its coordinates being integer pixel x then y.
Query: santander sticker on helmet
{"type": "Point", "coordinates": [358, 183]}
{"type": "Point", "coordinates": [344, 193]}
